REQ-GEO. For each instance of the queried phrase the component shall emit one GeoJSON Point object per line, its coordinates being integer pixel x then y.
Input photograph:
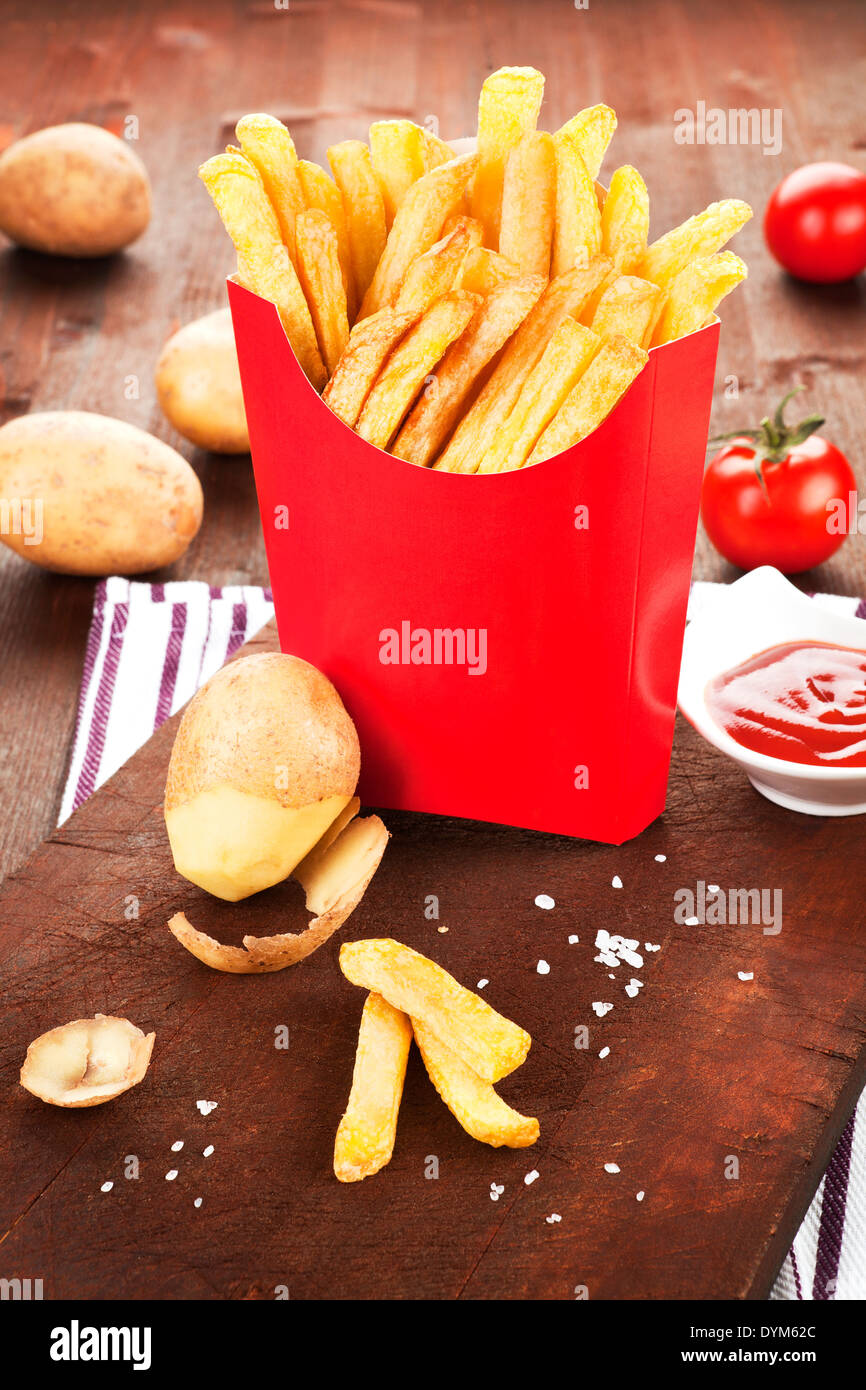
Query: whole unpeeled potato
{"type": "Point", "coordinates": [198, 383]}
{"type": "Point", "coordinates": [264, 761]}
{"type": "Point", "coordinates": [86, 494]}
{"type": "Point", "coordinates": [73, 190]}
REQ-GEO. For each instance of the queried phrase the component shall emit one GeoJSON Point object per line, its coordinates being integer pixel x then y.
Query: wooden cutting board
{"type": "Point", "coordinates": [720, 1099]}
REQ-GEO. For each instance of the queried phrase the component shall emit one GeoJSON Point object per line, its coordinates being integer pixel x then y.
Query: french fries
{"type": "Point", "coordinates": [406, 370]}
{"type": "Point", "coordinates": [592, 129]}
{"type": "Point", "coordinates": [370, 342]}
{"type": "Point", "coordinates": [568, 353]}
{"type": "Point", "coordinates": [436, 151]}
{"type": "Point", "coordinates": [696, 293]}
{"type": "Point", "coordinates": [268, 145]}
{"type": "Point", "coordinates": [398, 151]}
{"type": "Point", "coordinates": [701, 235]}
{"type": "Point", "coordinates": [366, 1133]}
{"type": "Point", "coordinates": [604, 382]}
{"type": "Point", "coordinates": [625, 219]}
{"type": "Point", "coordinates": [577, 230]}
{"type": "Point", "coordinates": [417, 224]}
{"type": "Point", "coordinates": [471, 1100]}
{"type": "Point", "coordinates": [485, 270]}
{"type": "Point", "coordinates": [319, 191]}
{"type": "Point", "coordinates": [436, 272]}
{"type": "Point", "coordinates": [236, 188]}
{"type": "Point", "coordinates": [321, 279]}
{"type": "Point", "coordinates": [529, 203]}
{"type": "Point", "coordinates": [628, 307]}
{"type": "Point", "coordinates": [436, 413]}
{"type": "Point", "coordinates": [365, 208]}
{"type": "Point", "coordinates": [491, 1045]}
{"type": "Point", "coordinates": [508, 108]}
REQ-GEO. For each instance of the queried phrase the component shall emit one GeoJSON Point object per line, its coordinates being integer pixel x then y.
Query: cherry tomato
{"type": "Point", "coordinates": [815, 223]}
{"type": "Point", "coordinates": [766, 493]}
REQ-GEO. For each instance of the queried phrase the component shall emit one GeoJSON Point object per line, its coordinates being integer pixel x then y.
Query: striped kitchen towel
{"type": "Point", "coordinates": [150, 648]}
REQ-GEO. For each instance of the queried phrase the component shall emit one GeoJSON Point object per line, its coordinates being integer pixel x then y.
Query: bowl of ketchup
{"type": "Point", "coordinates": [777, 682]}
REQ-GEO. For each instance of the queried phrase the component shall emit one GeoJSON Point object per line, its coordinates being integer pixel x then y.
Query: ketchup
{"type": "Point", "coordinates": [801, 701]}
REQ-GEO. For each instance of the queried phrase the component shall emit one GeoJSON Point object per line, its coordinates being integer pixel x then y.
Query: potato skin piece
{"type": "Point", "coordinates": [73, 190]}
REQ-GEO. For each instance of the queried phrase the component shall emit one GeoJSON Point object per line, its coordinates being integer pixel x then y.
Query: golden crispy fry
{"type": "Point", "coordinates": [604, 382]}
{"type": "Point", "coordinates": [485, 270]}
{"type": "Point", "coordinates": [568, 294]}
{"type": "Point", "coordinates": [398, 151]}
{"type": "Point", "coordinates": [365, 208]}
{"type": "Point", "coordinates": [577, 232]}
{"type": "Point", "coordinates": [366, 1133]}
{"type": "Point", "coordinates": [471, 1100]}
{"type": "Point", "coordinates": [237, 190]}
{"type": "Point", "coordinates": [593, 130]}
{"type": "Point", "coordinates": [508, 107]}
{"type": "Point", "coordinates": [529, 203]}
{"type": "Point", "coordinates": [320, 191]}
{"type": "Point", "coordinates": [417, 225]}
{"type": "Point", "coordinates": [409, 365]}
{"type": "Point", "coordinates": [695, 294]}
{"type": "Point", "coordinates": [630, 307]}
{"type": "Point", "coordinates": [701, 235]}
{"type": "Point", "coordinates": [436, 272]}
{"type": "Point", "coordinates": [567, 355]}
{"type": "Point", "coordinates": [625, 219]}
{"type": "Point", "coordinates": [334, 880]}
{"type": "Point", "coordinates": [492, 1045]}
{"type": "Point", "coordinates": [436, 412]}
{"type": "Point", "coordinates": [268, 145]}
{"type": "Point", "coordinates": [322, 282]}
{"type": "Point", "coordinates": [370, 342]}
{"type": "Point", "coordinates": [436, 151]}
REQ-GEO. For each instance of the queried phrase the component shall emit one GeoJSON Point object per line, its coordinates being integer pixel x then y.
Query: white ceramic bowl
{"type": "Point", "coordinates": [762, 610]}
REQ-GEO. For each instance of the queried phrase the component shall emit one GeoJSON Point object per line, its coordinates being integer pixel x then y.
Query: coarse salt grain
{"type": "Point", "coordinates": [177, 1146]}
{"type": "Point", "coordinates": [600, 1008]}
{"type": "Point", "coordinates": [649, 946]}
{"type": "Point", "coordinates": [197, 1202]}
{"type": "Point", "coordinates": [712, 888]}
{"type": "Point", "coordinates": [616, 881]}
{"type": "Point", "coordinates": [573, 940]}
{"type": "Point", "coordinates": [482, 983]}
{"type": "Point", "coordinates": [171, 1175]}
{"type": "Point", "coordinates": [543, 968]}
{"type": "Point", "coordinates": [639, 1196]}
{"type": "Point", "coordinates": [531, 1176]}
{"type": "Point", "coordinates": [605, 1052]}
{"type": "Point", "coordinates": [553, 1218]}
{"type": "Point", "coordinates": [611, 1167]}
{"type": "Point", "coordinates": [206, 1106]}
{"type": "Point", "coordinates": [545, 901]}
{"type": "Point", "coordinates": [661, 858]}
{"type": "Point", "coordinates": [745, 974]}
{"type": "Point", "coordinates": [206, 1153]}
{"type": "Point", "coordinates": [691, 921]}
{"type": "Point", "coordinates": [106, 1187]}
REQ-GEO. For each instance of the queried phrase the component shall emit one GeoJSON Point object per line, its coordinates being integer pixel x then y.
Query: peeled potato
{"type": "Point", "coordinates": [73, 190]}
{"type": "Point", "coordinates": [198, 384]}
{"type": "Point", "coordinates": [265, 760]}
{"type": "Point", "coordinates": [86, 1062]}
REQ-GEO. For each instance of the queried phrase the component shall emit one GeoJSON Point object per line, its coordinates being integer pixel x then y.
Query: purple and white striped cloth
{"type": "Point", "coordinates": [150, 648]}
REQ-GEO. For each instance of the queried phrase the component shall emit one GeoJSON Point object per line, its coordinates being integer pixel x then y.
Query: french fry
{"type": "Point", "coordinates": [695, 294]}
{"type": "Point", "coordinates": [237, 190]}
{"type": "Point", "coordinates": [320, 191]}
{"type": "Point", "coordinates": [268, 145]}
{"type": "Point", "coordinates": [529, 203]}
{"type": "Point", "coordinates": [508, 108]}
{"type": "Point", "coordinates": [436, 151]}
{"type": "Point", "coordinates": [365, 208]}
{"type": "Point", "coordinates": [322, 282]}
{"type": "Point", "coordinates": [488, 1043]}
{"type": "Point", "coordinates": [577, 231]}
{"type": "Point", "coordinates": [471, 1100]}
{"type": "Point", "coordinates": [366, 1133]}
{"type": "Point", "coordinates": [604, 382]}
{"type": "Point", "coordinates": [436, 272]}
{"type": "Point", "coordinates": [701, 235]}
{"type": "Point", "coordinates": [485, 270]}
{"type": "Point", "coordinates": [436, 412]}
{"type": "Point", "coordinates": [409, 365]}
{"type": "Point", "coordinates": [630, 307]}
{"type": "Point", "coordinates": [625, 219]}
{"type": "Point", "coordinates": [370, 343]}
{"type": "Point", "coordinates": [417, 225]}
{"type": "Point", "coordinates": [593, 130]}
{"type": "Point", "coordinates": [565, 358]}
{"type": "Point", "coordinates": [398, 152]}
{"type": "Point", "coordinates": [568, 294]}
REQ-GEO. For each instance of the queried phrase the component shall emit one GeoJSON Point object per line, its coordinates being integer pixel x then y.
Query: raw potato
{"type": "Point", "coordinates": [86, 1062]}
{"type": "Point", "coordinates": [73, 190]}
{"type": "Point", "coordinates": [198, 384]}
{"type": "Point", "coordinates": [264, 761]}
{"type": "Point", "coordinates": [106, 497]}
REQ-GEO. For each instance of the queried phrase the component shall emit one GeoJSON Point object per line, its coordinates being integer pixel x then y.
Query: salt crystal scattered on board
{"type": "Point", "coordinates": [482, 983]}
{"type": "Point", "coordinates": [496, 1191]}
{"type": "Point", "coordinates": [745, 974]}
{"type": "Point", "coordinates": [611, 1167]}
{"type": "Point", "coordinates": [712, 888]}
{"type": "Point", "coordinates": [605, 1052]}
{"type": "Point", "coordinates": [639, 1196]}
{"type": "Point", "coordinates": [632, 987]}
{"type": "Point", "coordinates": [545, 901]}
{"type": "Point", "coordinates": [206, 1153]}
{"type": "Point", "coordinates": [573, 940]}
{"type": "Point", "coordinates": [648, 946]}
{"type": "Point", "coordinates": [543, 968]}
{"type": "Point", "coordinates": [197, 1202]}
{"type": "Point", "coordinates": [691, 921]}
{"type": "Point", "coordinates": [601, 1008]}
{"type": "Point", "coordinates": [106, 1187]}
{"type": "Point", "coordinates": [206, 1106]}
{"type": "Point", "coordinates": [531, 1176]}
{"type": "Point", "coordinates": [552, 1218]}
{"type": "Point", "coordinates": [177, 1146]}
{"type": "Point", "coordinates": [171, 1175]}
{"type": "Point", "coordinates": [616, 881]}
{"type": "Point", "coordinates": [661, 858]}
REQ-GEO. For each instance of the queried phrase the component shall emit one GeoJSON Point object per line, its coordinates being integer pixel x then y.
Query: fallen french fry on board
{"type": "Point", "coordinates": [508, 108]}
{"type": "Point", "coordinates": [366, 1133]}
{"type": "Point", "coordinates": [695, 294]}
{"type": "Point", "coordinates": [472, 1101]}
{"type": "Point", "coordinates": [488, 1043]}
{"type": "Point", "coordinates": [701, 235]}
{"type": "Point", "coordinates": [603, 384]}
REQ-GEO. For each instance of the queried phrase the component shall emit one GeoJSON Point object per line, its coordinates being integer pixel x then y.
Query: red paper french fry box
{"type": "Point", "coordinates": [508, 645]}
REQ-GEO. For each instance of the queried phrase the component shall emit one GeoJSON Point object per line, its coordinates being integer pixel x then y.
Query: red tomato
{"type": "Point", "coordinates": [765, 495]}
{"type": "Point", "coordinates": [815, 223]}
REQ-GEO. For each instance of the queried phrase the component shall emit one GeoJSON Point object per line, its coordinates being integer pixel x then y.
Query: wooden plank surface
{"type": "Point", "coordinates": [701, 1065]}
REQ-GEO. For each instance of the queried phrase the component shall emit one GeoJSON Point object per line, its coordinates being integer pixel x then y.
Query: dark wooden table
{"type": "Point", "coordinates": [86, 336]}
